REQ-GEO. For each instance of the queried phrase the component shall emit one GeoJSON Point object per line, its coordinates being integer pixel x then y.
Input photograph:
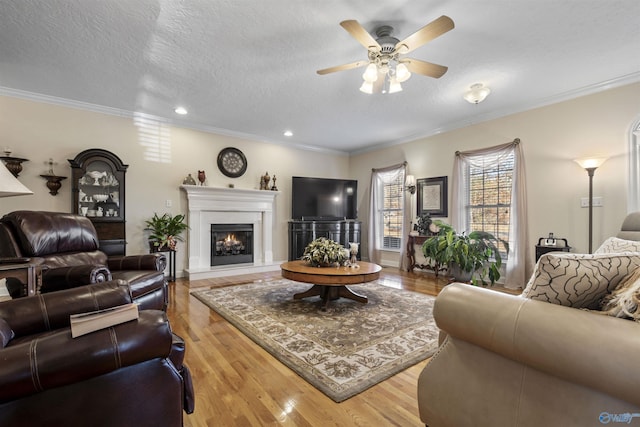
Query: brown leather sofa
{"type": "Point", "coordinates": [130, 374]}
{"type": "Point", "coordinates": [66, 246]}
{"type": "Point", "coordinates": [512, 360]}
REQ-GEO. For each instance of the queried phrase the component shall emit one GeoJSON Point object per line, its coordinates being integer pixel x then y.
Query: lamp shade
{"type": "Point", "coordinates": [10, 186]}
{"type": "Point", "coordinates": [410, 181]}
{"type": "Point", "coordinates": [591, 162]}
{"type": "Point", "coordinates": [367, 87]}
{"type": "Point", "coordinates": [402, 73]}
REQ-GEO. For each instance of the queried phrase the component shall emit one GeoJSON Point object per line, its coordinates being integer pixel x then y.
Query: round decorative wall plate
{"type": "Point", "coordinates": [232, 162]}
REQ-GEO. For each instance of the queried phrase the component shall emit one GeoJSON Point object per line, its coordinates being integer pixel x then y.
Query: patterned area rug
{"type": "Point", "coordinates": [342, 351]}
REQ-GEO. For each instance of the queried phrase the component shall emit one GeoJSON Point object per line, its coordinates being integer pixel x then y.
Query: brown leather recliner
{"type": "Point", "coordinates": [66, 245]}
{"type": "Point", "coordinates": [130, 374]}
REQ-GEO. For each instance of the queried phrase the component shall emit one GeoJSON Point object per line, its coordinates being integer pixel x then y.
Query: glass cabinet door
{"type": "Point", "coordinates": [99, 194]}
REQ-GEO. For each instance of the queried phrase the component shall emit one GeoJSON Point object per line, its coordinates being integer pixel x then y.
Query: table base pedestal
{"type": "Point", "coordinates": [329, 293]}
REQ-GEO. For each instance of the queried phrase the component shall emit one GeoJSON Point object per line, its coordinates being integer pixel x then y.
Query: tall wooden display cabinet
{"type": "Point", "coordinates": [98, 185]}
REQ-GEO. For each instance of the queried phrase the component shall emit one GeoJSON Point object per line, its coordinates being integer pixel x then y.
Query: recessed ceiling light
{"type": "Point", "coordinates": [181, 110]}
{"type": "Point", "coordinates": [288, 133]}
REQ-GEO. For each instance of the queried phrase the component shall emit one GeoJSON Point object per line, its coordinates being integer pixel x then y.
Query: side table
{"type": "Point", "coordinates": [29, 273]}
{"type": "Point", "coordinates": [411, 251]}
{"type": "Point", "coordinates": [171, 262]}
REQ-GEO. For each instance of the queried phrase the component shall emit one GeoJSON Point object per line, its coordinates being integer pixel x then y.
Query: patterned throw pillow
{"type": "Point", "coordinates": [615, 245]}
{"type": "Point", "coordinates": [578, 280]}
{"type": "Point", "coordinates": [6, 334]}
{"type": "Point", "coordinates": [624, 300]}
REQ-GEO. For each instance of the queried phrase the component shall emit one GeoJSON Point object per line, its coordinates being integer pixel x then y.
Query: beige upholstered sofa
{"type": "Point", "coordinates": [541, 358]}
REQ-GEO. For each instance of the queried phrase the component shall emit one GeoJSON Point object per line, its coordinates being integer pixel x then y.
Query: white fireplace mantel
{"type": "Point", "coordinates": [219, 205]}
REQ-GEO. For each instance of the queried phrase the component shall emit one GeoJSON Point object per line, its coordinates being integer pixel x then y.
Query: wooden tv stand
{"type": "Point", "coordinates": [303, 232]}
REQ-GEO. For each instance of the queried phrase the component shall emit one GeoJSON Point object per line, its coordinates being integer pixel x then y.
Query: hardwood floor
{"type": "Point", "coordinates": [237, 383]}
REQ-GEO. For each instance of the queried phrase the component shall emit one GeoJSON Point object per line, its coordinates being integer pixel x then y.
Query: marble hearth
{"type": "Point", "coordinates": [218, 205]}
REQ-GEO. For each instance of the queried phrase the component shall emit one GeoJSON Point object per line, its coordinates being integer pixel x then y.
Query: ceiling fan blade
{"type": "Point", "coordinates": [425, 34]}
{"type": "Point", "coordinates": [359, 33]}
{"type": "Point", "coordinates": [350, 66]}
{"type": "Point", "coordinates": [425, 68]}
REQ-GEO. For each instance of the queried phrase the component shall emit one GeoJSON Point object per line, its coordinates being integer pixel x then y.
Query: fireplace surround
{"type": "Point", "coordinates": [218, 205]}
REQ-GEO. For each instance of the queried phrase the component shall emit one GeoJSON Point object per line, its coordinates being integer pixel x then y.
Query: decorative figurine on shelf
{"type": "Point", "coordinates": [264, 181]}
{"type": "Point", "coordinates": [189, 180]}
{"type": "Point", "coordinates": [201, 177]}
{"type": "Point", "coordinates": [273, 187]}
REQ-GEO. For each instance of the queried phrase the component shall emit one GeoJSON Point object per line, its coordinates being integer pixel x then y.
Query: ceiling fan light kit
{"type": "Point", "coordinates": [386, 70]}
{"type": "Point", "coordinates": [477, 93]}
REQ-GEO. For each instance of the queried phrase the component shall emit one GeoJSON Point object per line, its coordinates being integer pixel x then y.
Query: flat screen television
{"type": "Point", "coordinates": [324, 198]}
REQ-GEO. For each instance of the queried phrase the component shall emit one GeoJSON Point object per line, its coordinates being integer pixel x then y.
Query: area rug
{"type": "Point", "coordinates": [342, 351]}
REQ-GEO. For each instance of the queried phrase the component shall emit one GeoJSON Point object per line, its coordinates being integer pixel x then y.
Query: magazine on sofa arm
{"type": "Point", "coordinates": [84, 323]}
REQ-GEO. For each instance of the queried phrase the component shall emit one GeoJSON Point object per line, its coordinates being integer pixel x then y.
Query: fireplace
{"type": "Point", "coordinates": [218, 205]}
{"type": "Point", "coordinates": [231, 244]}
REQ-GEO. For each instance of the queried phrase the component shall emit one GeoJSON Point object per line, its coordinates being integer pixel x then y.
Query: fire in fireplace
{"type": "Point", "coordinates": [231, 244]}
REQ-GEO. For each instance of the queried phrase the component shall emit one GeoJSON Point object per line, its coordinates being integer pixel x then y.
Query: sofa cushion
{"type": "Point", "coordinates": [579, 280]}
{"type": "Point", "coordinates": [623, 301]}
{"type": "Point", "coordinates": [615, 244]}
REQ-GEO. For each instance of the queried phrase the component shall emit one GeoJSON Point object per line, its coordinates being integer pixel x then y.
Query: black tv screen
{"type": "Point", "coordinates": [324, 198]}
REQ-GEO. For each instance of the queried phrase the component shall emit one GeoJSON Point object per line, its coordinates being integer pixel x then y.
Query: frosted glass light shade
{"type": "Point", "coordinates": [371, 73]}
{"type": "Point", "coordinates": [394, 85]}
{"type": "Point", "coordinates": [402, 73]}
{"type": "Point", "coordinates": [477, 93]}
{"type": "Point", "coordinates": [591, 162]}
{"type": "Point", "coordinates": [367, 87]}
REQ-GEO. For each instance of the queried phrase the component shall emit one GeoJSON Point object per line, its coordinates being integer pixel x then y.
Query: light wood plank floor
{"type": "Point", "coordinates": [237, 383]}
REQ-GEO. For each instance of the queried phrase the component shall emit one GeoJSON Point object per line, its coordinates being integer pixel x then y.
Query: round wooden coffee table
{"type": "Point", "coordinates": [330, 283]}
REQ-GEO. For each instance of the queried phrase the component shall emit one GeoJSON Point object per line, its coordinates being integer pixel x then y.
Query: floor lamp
{"type": "Point", "coordinates": [10, 186]}
{"type": "Point", "coordinates": [590, 165]}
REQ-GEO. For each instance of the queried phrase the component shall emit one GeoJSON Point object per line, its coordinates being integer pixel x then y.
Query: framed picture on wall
{"type": "Point", "coordinates": [432, 196]}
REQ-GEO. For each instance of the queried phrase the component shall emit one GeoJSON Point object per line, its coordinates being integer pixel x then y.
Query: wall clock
{"type": "Point", "coordinates": [232, 162]}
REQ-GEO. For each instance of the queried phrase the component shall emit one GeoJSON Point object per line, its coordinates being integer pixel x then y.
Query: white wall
{"type": "Point", "coordinates": [552, 137]}
{"type": "Point", "coordinates": [38, 131]}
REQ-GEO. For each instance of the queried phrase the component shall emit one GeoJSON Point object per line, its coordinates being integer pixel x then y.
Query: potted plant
{"type": "Point", "coordinates": [323, 252]}
{"type": "Point", "coordinates": [468, 257]}
{"type": "Point", "coordinates": [165, 230]}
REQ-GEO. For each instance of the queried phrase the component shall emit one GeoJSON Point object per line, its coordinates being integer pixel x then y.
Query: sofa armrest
{"type": "Point", "coordinates": [46, 312]}
{"type": "Point", "coordinates": [55, 359]}
{"type": "Point", "coordinates": [155, 261]}
{"type": "Point", "coordinates": [587, 348]}
{"type": "Point", "coordinates": [56, 279]}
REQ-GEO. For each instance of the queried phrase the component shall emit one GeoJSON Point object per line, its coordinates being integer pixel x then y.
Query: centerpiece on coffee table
{"type": "Point", "coordinates": [323, 252]}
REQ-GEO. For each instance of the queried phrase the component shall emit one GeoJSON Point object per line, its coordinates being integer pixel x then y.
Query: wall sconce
{"type": "Point", "coordinates": [477, 93]}
{"type": "Point", "coordinates": [14, 164]}
{"type": "Point", "coordinates": [54, 182]}
{"type": "Point", "coordinates": [410, 184]}
{"type": "Point", "coordinates": [590, 165]}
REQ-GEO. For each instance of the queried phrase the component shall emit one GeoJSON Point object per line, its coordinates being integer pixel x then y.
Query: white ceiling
{"type": "Point", "coordinates": [248, 68]}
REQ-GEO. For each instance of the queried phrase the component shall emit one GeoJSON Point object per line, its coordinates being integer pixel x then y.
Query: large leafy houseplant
{"type": "Point", "coordinates": [165, 230]}
{"type": "Point", "coordinates": [325, 252]}
{"type": "Point", "coordinates": [475, 253]}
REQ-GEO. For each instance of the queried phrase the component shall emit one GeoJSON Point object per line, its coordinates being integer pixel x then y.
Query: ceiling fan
{"type": "Point", "coordinates": [386, 68]}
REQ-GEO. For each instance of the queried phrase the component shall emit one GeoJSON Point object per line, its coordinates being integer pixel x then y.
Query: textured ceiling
{"type": "Point", "coordinates": [248, 68]}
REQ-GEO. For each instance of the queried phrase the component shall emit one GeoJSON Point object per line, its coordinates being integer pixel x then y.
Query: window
{"type": "Point", "coordinates": [392, 211]}
{"type": "Point", "coordinates": [489, 181]}
{"type": "Point", "coordinates": [489, 194]}
{"type": "Point", "coordinates": [388, 216]}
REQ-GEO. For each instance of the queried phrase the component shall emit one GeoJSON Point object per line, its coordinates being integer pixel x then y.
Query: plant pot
{"type": "Point", "coordinates": [459, 275]}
